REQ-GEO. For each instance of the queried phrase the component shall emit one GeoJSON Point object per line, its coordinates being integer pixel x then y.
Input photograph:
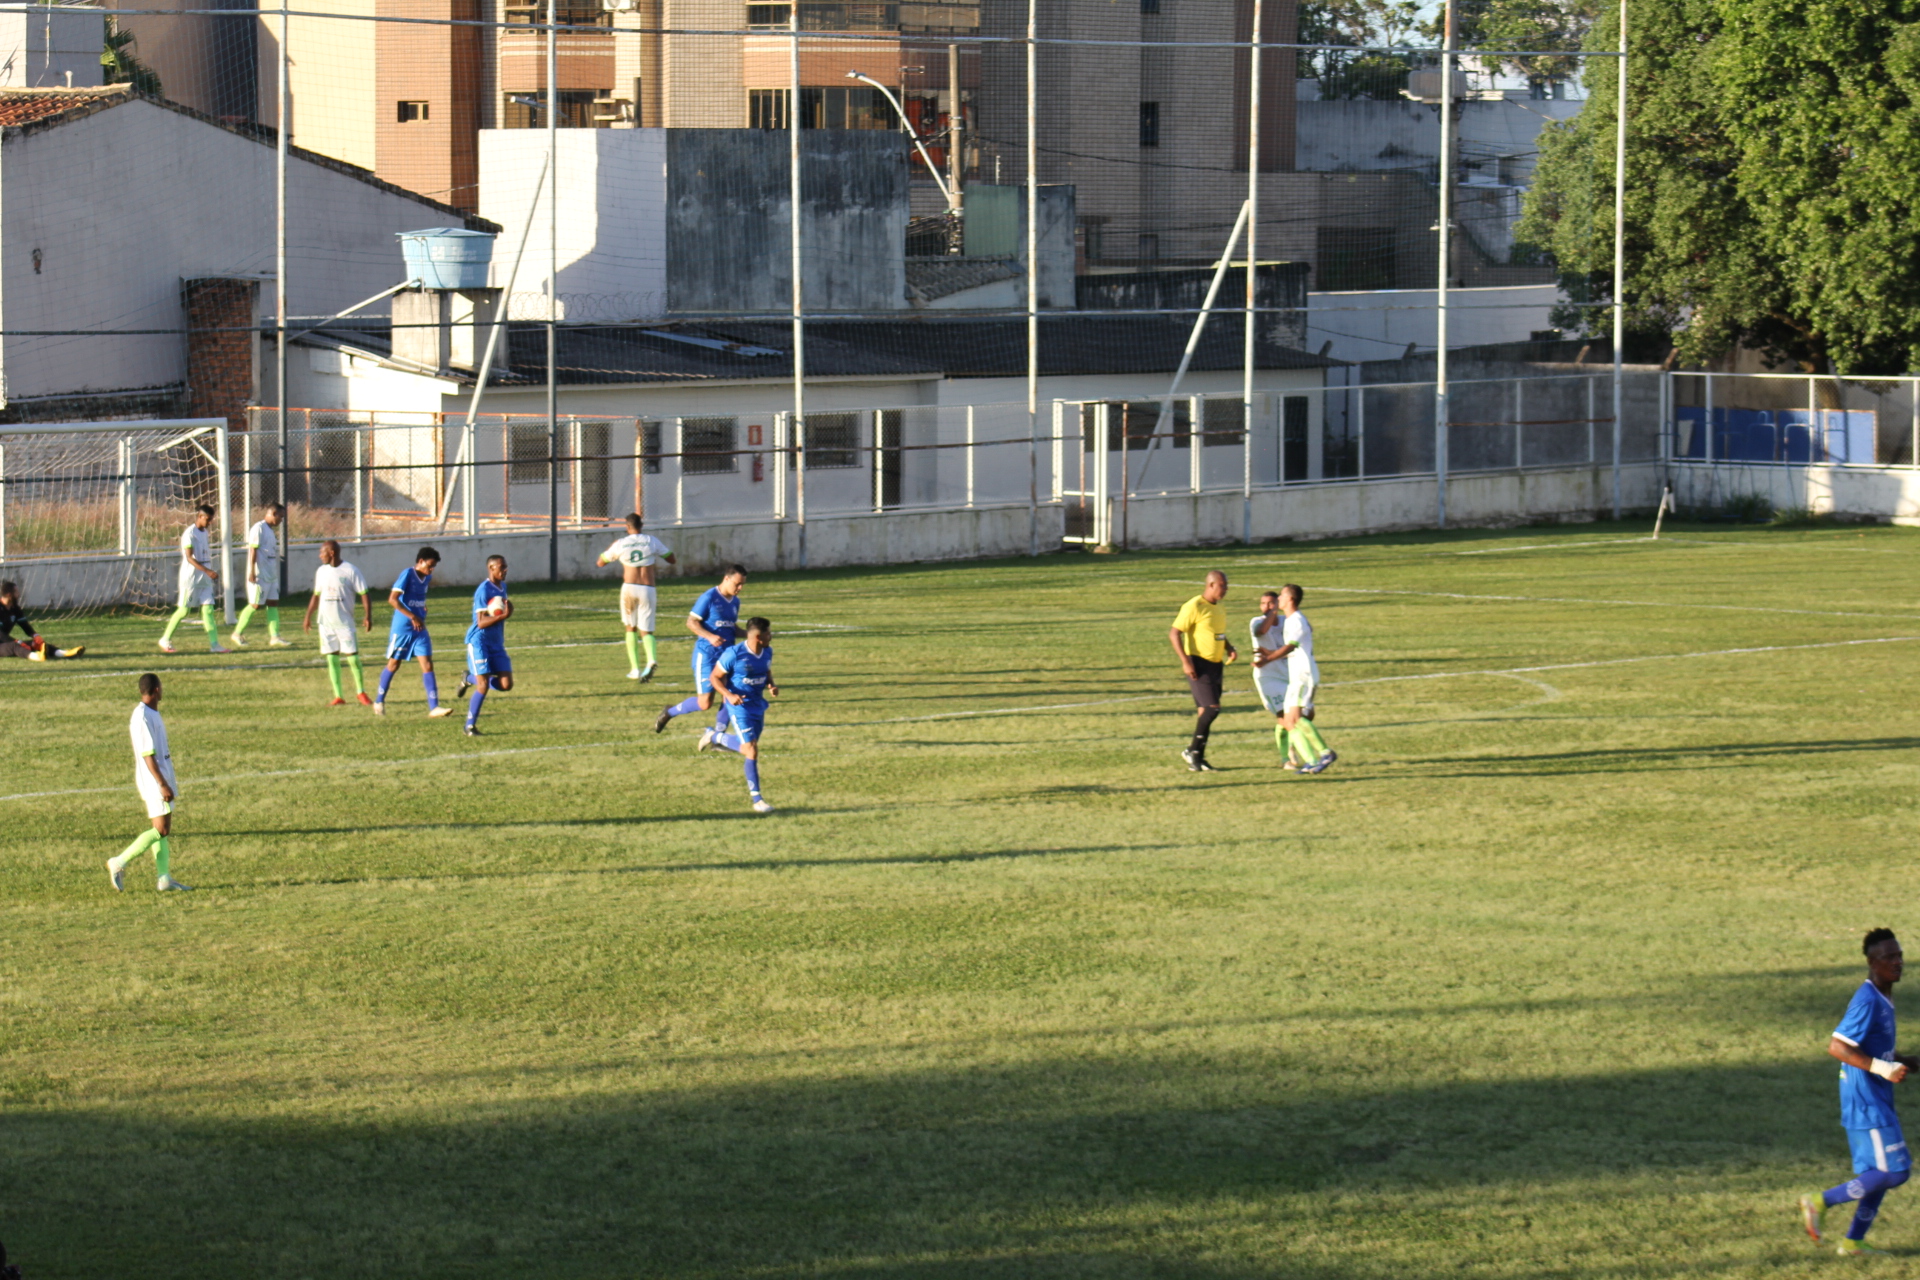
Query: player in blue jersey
{"type": "Point", "coordinates": [407, 637]}
{"type": "Point", "coordinates": [1864, 1043]}
{"type": "Point", "coordinates": [487, 663]}
{"type": "Point", "coordinates": [712, 620]}
{"type": "Point", "coordinates": [743, 676]}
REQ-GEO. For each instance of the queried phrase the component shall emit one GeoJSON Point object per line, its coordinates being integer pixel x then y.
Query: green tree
{"type": "Point", "coordinates": [1555, 28]}
{"type": "Point", "coordinates": [122, 64]}
{"type": "Point", "coordinates": [1366, 25]}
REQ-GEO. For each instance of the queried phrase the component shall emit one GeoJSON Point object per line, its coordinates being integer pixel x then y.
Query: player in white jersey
{"type": "Point", "coordinates": [263, 578]}
{"type": "Point", "coordinates": [637, 553]}
{"type": "Point", "coordinates": [198, 578]}
{"type": "Point", "coordinates": [1303, 680]}
{"type": "Point", "coordinates": [153, 779]}
{"type": "Point", "coordinates": [1270, 677]}
{"type": "Point", "coordinates": [335, 584]}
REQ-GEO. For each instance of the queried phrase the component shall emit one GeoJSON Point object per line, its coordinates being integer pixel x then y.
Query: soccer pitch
{"type": "Point", "coordinates": [1535, 981]}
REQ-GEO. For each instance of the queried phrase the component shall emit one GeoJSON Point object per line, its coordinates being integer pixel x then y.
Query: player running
{"type": "Point", "coordinates": [1864, 1043]}
{"type": "Point", "coordinates": [263, 578]}
{"type": "Point", "coordinates": [1270, 676]}
{"type": "Point", "coordinates": [335, 584]}
{"type": "Point", "coordinates": [407, 637]}
{"type": "Point", "coordinates": [712, 621]}
{"type": "Point", "coordinates": [153, 779]}
{"type": "Point", "coordinates": [197, 582]}
{"type": "Point", "coordinates": [487, 661]}
{"type": "Point", "coordinates": [637, 554]}
{"type": "Point", "coordinates": [1303, 679]}
{"type": "Point", "coordinates": [743, 676]}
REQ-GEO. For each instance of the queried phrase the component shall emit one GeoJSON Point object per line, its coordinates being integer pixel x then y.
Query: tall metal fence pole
{"type": "Point", "coordinates": [281, 131]}
{"type": "Point", "coordinates": [799, 300]}
{"type": "Point", "coordinates": [1033, 279]}
{"type": "Point", "coordinates": [553, 290]}
{"type": "Point", "coordinates": [1619, 251]}
{"type": "Point", "coordinates": [1253, 232]}
{"type": "Point", "coordinates": [1442, 414]}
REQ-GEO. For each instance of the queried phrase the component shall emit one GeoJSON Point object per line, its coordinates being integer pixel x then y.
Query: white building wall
{"type": "Point", "coordinates": [45, 46]}
{"type": "Point", "coordinates": [126, 203]}
{"type": "Point", "coordinates": [1379, 325]}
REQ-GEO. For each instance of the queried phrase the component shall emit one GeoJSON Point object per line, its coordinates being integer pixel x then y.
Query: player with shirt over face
{"type": "Point", "coordinates": [487, 663]}
{"type": "Point", "coordinates": [636, 554]}
{"type": "Point", "coordinates": [263, 578]}
{"type": "Point", "coordinates": [198, 579]}
{"type": "Point", "coordinates": [713, 620]}
{"type": "Point", "coordinates": [153, 779]}
{"type": "Point", "coordinates": [1270, 676]}
{"type": "Point", "coordinates": [1864, 1044]}
{"type": "Point", "coordinates": [407, 637]}
{"type": "Point", "coordinates": [335, 584]}
{"type": "Point", "coordinates": [1303, 680]}
{"type": "Point", "coordinates": [743, 676]}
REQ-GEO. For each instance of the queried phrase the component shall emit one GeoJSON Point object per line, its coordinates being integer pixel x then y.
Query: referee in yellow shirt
{"type": "Point", "coordinates": [1199, 637]}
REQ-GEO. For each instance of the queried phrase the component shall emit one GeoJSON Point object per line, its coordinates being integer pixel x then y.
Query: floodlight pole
{"type": "Point", "coordinates": [553, 287]}
{"type": "Point", "coordinates": [799, 298]}
{"type": "Point", "coordinates": [280, 298]}
{"type": "Point", "coordinates": [1253, 228]}
{"type": "Point", "coordinates": [1441, 412]}
{"type": "Point", "coordinates": [1033, 283]}
{"type": "Point", "coordinates": [1619, 251]}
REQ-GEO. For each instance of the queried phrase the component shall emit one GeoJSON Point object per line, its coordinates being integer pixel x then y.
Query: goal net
{"type": "Point", "coordinates": [91, 512]}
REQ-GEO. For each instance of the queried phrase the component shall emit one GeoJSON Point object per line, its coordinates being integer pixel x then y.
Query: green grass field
{"type": "Point", "coordinates": [1535, 982]}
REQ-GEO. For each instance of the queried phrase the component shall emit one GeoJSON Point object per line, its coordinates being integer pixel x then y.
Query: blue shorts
{"type": "Point", "coordinates": [703, 664]}
{"type": "Point", "coordinates": [406, 643]}
{"type": "Point", "coordinates": [1884, 1149]}
{"type": "Point", "coordinates": [488, 659]}
{"type": "Point", "coordinates": [747, 721]}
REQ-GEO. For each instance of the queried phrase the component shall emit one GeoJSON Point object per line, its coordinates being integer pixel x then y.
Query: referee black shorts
{"type": "Point", "coordinates": [1206, 682]}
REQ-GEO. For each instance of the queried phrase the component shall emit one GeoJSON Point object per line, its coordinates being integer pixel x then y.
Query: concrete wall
{"type": "Point", "coordinates": [728, 220]}
{"type": "Point", "coordinates": [1379, 325]}
{"type": "Point", "coordinates": [41, 46]}
{"type": "Point", "coordinates": [1869, 493]}
{"type": "Point", "coordinates": [1349, 135]}
{"type": "Point", "coordinates": [996, 227]}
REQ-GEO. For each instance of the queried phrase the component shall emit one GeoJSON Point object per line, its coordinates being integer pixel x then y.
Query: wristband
{"type": "Point", "coordinates": [1884, 1069]}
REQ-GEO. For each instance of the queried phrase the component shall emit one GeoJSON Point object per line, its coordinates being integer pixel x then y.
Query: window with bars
{"type": "Point", "coordinates": [412, 111]}
{"type": "Point", "coordinates": [650, 448]}
{"type": "Point", "coordinates": [1149, 124]}
{"type": "Point", "coordinates": [527, 453]}
{"type": "Point", "coordinates": [707, 446]}
{"type": "Point", "coordinates": [1222, 421]}
{"type": "Point", "coordinates": [576, 108]}
{"type": "Point", "coordinates": [833, 440]}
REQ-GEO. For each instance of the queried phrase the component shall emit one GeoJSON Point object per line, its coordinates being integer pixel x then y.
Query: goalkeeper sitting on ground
{"type": "Point", "coordinates": [33, 648]}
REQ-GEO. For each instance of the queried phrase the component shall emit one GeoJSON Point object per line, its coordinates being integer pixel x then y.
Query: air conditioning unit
{"type": "Point", "coordinates": [1426, 83]}
{"type": "Point", "coordinates": [620, 6]}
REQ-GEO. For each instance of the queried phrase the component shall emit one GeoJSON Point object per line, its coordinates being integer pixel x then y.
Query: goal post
{"type": "Point", "coordinates": [91, 512]}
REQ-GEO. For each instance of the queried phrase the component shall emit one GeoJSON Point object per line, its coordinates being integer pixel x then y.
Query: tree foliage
{"type": "Point", "coordinates": [1773, 181]}
{"type": "Point", "coordinates": [121, 62]}
{"type": "Point", "coordinates": [1556, 28]}
{"type": "Point", "coordinates": [1369, 26]}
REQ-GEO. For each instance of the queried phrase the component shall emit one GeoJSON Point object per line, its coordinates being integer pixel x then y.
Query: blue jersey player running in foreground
{"type": "Point", "coordinates": [487, 663]}
{"type": "Point", "coordinates": [1864, 1042]}
{"type": "Point", "coordinates": [712, 620]}
{"type": "Point", "coordinates": [743, 676]}
{"type": "Point", "coordinates": [407, 638]}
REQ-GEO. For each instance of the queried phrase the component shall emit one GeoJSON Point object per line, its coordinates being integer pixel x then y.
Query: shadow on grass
{"type": "Point", "coordinates": [1192, 1166]}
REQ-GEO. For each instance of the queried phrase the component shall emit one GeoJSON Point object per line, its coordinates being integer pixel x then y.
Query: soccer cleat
{"type": "Point", "coordinates": [439, 712]}
{"type": "Point", "coordinates": [74, 652]}
{"type": "Point", "coordinates": [38, 655]}
{"type": "Point", "coordinates": [117, 876]}
{"type": "Point", "coordinates": [166, 646]}
{"type": "Point", "coordinates": [379, 708]}
{"type": "Point", "coordinates": [1290, 766]}
{"type": "Point", "coordinates": [647, 674]}
{"type": "Point", "coordinates": [1202, 766]}
{"type": "Point", "coordinates": [168, 883]}
{"type": "Point", "coordinates": [1859, 1249]}
{"type": "Point", "coordinates": [277, 643]}
{"type": "Point", "coordinates": [1813, 1215]}
{"type": "Point", "coordinates": [466, 683]}
{"type": "Point", "coordinates": [661, 721]}
{"type": "Point", "coordinates": [633, 673]}
{"type": "Point", "coordinates": [472, 732]}
{"type": "Point", "coordinates": [1193, 761]}
{"type": "Point", "coordinates": [338, 702]}
{"type": "Point", "coordinates": [1328, 758]}
{"type": "Point", "coordinates": [217, 649]}
{"type": "Point", "coordinates": [237, 640]}
{"type": "Point", "coordinates": [706, 740]}
{"type": "Point", "coordinates": [365, 701]}
{"type": "Point", "coordinates": [1316, 767]}
{"type": "Point", "coordinates": [761, 806]}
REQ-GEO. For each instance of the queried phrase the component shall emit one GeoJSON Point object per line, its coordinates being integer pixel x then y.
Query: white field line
{"type": "Point", "coordinates": [1631, 604]}
{"type": "Point", "coordinates": [1554, 546]}
{"type": "Point", "coordinates": [1616, 662]}
{"type": "Point", "coordinates": [341, 766]}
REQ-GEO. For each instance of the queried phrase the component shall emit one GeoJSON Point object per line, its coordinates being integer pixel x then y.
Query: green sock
{"type": "Point", "coordinates": [273, 622]}
{"type": "Point", "coordinates": [333, 673]}
{"type": "Point", "coordinates": [633, 650]}
{"type": "Point", "coordinates": [359, 680]}
{"type": "Point", "coordinates": [162, 857]}
{"type": "Point", "coordinates": [647, 640]}
{"type": "Point", "coordinates": [1280, 739]}
{"type": "Point", "coordinates": [1311, 736]}
{"type": "Point", "coordinates": [143, 842]}
{"type": "Point", "coordinates": [240, 624]}
{"type": "Point", "coordinates": [178, 616]}
{"type": "Point", "coordinates": [213, 632]}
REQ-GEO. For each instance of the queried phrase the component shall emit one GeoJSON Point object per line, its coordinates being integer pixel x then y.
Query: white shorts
{"type": "Point", "coordinates": [150, 793]}
{"type": "Point", "coordinates": [267, 590]}
{"type": "Point", "coordinates": [1273, 692]}
{"type": "Point", "coordinates": [338, 639]}
{"type": "Point", "coordinates": [636, 606]}
{"type": "Point", "coordinates": [196, 588]}
{"type": "Point", "coordinates": [1299, 696]}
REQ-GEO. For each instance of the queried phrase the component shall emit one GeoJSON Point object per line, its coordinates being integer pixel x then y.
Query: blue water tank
{"type": "Point", "coordinates": [447, 257]}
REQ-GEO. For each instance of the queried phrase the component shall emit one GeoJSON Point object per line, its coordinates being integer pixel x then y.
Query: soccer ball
{"type": "Point", "coordinates": [498, 607]}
